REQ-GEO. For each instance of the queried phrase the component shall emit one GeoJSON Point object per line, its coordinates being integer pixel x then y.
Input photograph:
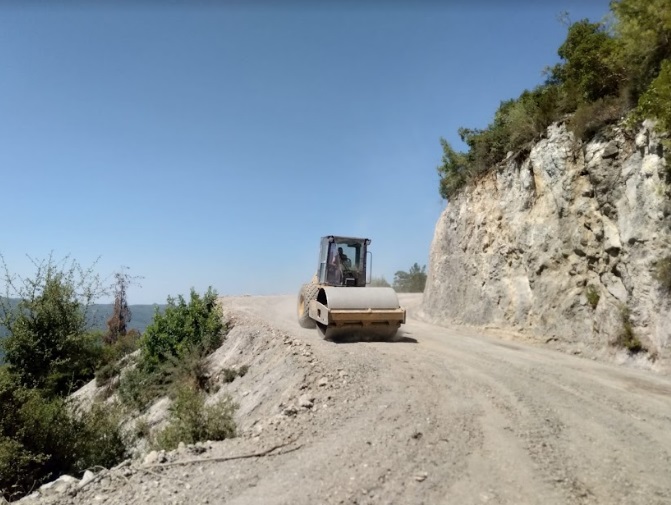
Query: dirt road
{"type": "Point", "coordinates": [487, 422]}
{"type": "Point", "coordinates": [439, 417]}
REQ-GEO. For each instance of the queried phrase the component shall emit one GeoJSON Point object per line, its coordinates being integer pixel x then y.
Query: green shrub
{"type": "Point", "coordinates": [189, 368]}
{"type": "Point", "coordinates": [626, 338]}
{"type": "Point", "coordinates": [516, 123]}
{"type": "Point", "coordinates": [644, 31]}
{"type": "Point", "coordinates": [591, 68]}
{"type": "Point", "coordinates": [49, 345]}
{"type": "Point", "coordinates": [663, 274]}
{"type": "Point", "coordinates": [142, 429]}
{"type": "Point", "coordinates": [192, 421]}
{"type": "Point", "coordinates": [591, 117]}
{"type": "Point", "coordinates": [17, 468]}
{"type": "Point", "coordinates": [173, 348]}
{"type": "Point", "coordinates": [489, 146]}
{"type": "Point", "coordinates": [47, 431]}
{"type": "Point", "coordinates": [231, 373]}
{"type": "Point", "coordinates": [453, 170]}
{"type": "Point", "coordinates": [183, 327]}
{"type": "Point", "coordinates": [112, 356]}
{"type": "Point", "coordinates": [593, 296]}
{"type": "Point", "coordinates": [138, 388]}
{"type": "Point", "coordinates": [42, 438]}
{"type": "Point", "coordinates": [50, 352]}
{"type": "Point", "coordinates": [123, 346]}
{"type": "Point", "coordinates": [656, 101]}
{"type": "Point", "coordinates": [100, 440]}
{"type": "Point", "coordinates": [106, 373]}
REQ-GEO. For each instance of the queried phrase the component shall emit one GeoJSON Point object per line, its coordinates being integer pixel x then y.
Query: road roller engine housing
{"type": "Point", "coordinates": [338, 300]}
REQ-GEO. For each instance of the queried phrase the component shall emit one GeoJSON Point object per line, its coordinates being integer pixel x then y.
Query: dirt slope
{"type": "Point", "coordinates": [442, 416]}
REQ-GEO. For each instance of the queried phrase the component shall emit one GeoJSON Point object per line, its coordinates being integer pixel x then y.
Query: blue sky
{"type": "Point", "coordinates": [213, 144]}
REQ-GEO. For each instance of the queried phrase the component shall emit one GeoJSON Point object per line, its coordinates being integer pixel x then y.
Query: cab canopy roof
{"type": "Point", "coordinates": [347, 240]}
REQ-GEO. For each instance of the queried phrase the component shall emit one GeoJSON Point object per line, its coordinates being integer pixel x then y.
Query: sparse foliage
{"type": "Point", "coordinates": [412, 281]}
{"type": "Point", "coordinates": [193, 421]}
{"type": "Point", "coordinates": [656, 100]}
{"type": "Point", "coordinates": [626, 338]}
{"type": "Point", "coordinates": [138, 388]}
{"type": "Point", "coordinates": [593, 296]}
{"type": "Point", "coordinates": [229, 374]}
{"type": "Point", "coordinates": [590, 117]}
{"type": "Point", "coordinates": [605, 70]}
{"type": "Point", "coordinates": [663, 274]}
{"type": "Point", "coordinates": [527, 117]}
{"type": "Point", "coordinates": [453, 170]}
{"type": "Point", "coordinates": [117, 324]}
{"type": "Point", "coordinates": [42, 438]}
{"type": "Point", "coordinates": [106, 373]}
{"type": "Point", "coordinates": [123, 346]}
{"type": "Point", "coordinates": [379, 282]}
{"type": "Point", "coordinates": [189, 368]}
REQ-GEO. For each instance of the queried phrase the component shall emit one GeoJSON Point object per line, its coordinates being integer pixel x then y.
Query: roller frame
{"type": "Point", "coordinates": [366, 312]}
{"type": "Point", "coordinates": [359, 317]}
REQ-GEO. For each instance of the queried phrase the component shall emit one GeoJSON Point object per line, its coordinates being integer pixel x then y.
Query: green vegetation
{"type": "Point", "coordinates": [605, 73]}
{"type": "Point", "coordinates": [656, 102]}
{"type": "Point", "coordinates": [49, 347]}
{"type": "Point", "coordinates": [172, 361]}
{"type": "Point", "coordinates": [118, 339]}
{"type": "Point", "coordinates": [99, 313]}
{"type": "Point", "coordinates": [51, 350]}
{"type": "Point", "coordinates": [626, 338]}
{"type": "Point", "coordinates": [231, 373]}
{"type": "Point", "coordinates": [173, 348]}
{"type": "Point", "coordinates": [192, 421]}
{"type": "Point", "coordinates": [412, 281]}
{"type": "Point", "coordinates": [42, 438]}
{"type": "Point", "coordinates": [593, 296]}
{"type": "Point", "coordinates": [663, 274]}
{"type": "Point", "coordinates": [183, 327]}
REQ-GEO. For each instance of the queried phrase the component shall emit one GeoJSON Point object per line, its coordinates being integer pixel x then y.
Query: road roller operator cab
{"type": "Point", "coordinates": [343, 261]}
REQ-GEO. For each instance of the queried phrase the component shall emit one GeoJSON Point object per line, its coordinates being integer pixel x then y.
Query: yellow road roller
{"type": "Point", "coordinates": [338, 300]}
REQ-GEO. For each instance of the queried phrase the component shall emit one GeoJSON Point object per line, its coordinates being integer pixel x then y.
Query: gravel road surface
{"type": "Point", "coordinates": [441, 416]}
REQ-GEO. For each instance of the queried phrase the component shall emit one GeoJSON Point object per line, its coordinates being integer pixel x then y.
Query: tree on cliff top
{"type": "Point", "coordinates": [643, 29]}
{"type": "Point", "coordinates": [606, 72]}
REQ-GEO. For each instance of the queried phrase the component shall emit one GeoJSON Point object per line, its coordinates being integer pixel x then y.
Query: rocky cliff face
{"type": "Point", "coordinates": [533, 245]}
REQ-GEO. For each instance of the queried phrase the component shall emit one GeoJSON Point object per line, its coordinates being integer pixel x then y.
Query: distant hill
{"type": "Point", "coordinates": [141, 317]}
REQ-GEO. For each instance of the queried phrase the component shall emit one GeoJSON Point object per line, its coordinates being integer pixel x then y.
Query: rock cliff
{"type": "Point", "coordinates": [561, 245]}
